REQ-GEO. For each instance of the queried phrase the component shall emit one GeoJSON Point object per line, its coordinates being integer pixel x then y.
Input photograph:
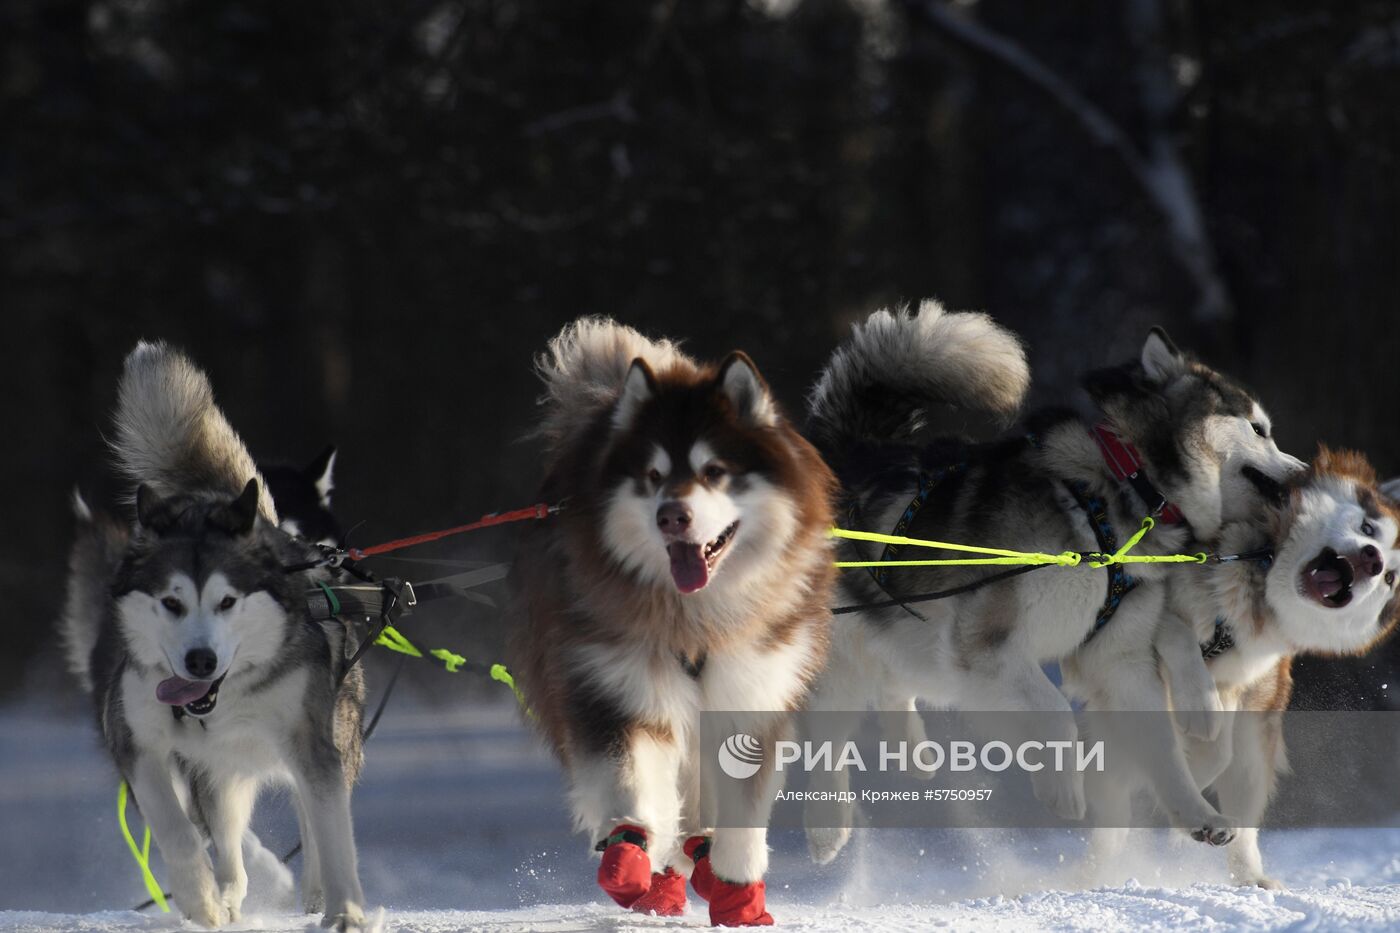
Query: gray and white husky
{"type": "Point", "coordinates": [208, 677]}
{"type": "Point", "coordinates": [1204, 442]}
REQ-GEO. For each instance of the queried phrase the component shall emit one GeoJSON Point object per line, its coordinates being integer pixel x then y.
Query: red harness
{"type": "Point", "coordinates": [1126, 463]}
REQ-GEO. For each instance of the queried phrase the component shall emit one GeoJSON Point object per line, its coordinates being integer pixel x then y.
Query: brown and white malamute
{"type": "Point", "coordinates": [689, 570]}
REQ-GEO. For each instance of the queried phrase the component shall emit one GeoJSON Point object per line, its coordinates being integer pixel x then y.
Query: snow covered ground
{"type": "Point", "coordinates": [461, 826]}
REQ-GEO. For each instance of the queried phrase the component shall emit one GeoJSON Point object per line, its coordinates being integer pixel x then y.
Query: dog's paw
{"type": "Point", "coordinates": [231, 896]}
{"type": "Point", "coordinates": [1061, 791]}
{"type": "Point", "coordinates": [1216, 832]}
{"type": "Point", "coordinates": [1260, 881]}
{"type": "Point", "coordinates": [204, 908]}
{"type": "Point", "coordinates": [195, 893]}
{"type": "Point", "coordinates": [826, 842]}
{"type": "Point", "coordinates": [349, 920]}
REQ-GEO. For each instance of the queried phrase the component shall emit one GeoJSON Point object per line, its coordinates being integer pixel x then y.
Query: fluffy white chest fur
{"type": "Point", "coordinates": [245, 735]}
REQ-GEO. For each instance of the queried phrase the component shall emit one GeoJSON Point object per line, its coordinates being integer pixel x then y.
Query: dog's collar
{"type": "Point", "coordinates": [1222, 641]}
{"type": "Point", "coordinates": [1126, 463]}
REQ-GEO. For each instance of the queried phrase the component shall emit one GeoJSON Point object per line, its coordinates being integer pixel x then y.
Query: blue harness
{"type": "Point", "coordinates": [927, 483]}
{"type": "Point", "coordinates": [1222, 641]}
{"type": "Point", "coordinates": [1120, 583]}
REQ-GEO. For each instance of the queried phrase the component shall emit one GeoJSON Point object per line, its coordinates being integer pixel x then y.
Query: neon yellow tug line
{"type": "Point", "coordinates": [1003, 556]}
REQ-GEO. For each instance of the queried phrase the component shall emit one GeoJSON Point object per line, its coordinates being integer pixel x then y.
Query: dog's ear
{"type": "Point", "coordinates": [1161, 360]}
{"type": "Point", "coordinates": [152, 512]}
{"type": "Point", "coordinates": [740, 382]}
{"type": "Point", "coordinates": [637, 388]}
{"type": "Point", "coordinates": [1351, 464]}
{"type": "Point", "coordinates": [319, 472]}
{"type": "Point", "coordinates": [238, 516]}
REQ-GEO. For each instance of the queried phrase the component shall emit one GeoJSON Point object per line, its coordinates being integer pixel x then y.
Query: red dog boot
{"type": "Point", "coordinates": [738, 905]}
{"type": "Point", "coordinates": [702, 879]}
{"type": "Point", "coordinates": [625, 873]}
{"type": "Point", "coordinates": [666, 898]}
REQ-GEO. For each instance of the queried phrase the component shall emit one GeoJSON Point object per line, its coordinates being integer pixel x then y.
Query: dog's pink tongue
{"type": "Point", "coordinates": [1328, 582]}
{"type": "Point", "coordinates": [177, 691]}
{"type": "Point", "coordinates": [688, 567]}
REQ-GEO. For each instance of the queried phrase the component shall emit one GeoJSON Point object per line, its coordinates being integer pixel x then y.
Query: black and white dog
{"type": "Point", "coordinates": [208, 676]}
{"type": "Point", "coordinates": [1058, 485]}
{"type": "Point", "coordinates": [303, 497]}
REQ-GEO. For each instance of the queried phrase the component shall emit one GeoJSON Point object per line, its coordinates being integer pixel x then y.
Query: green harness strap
{"type": "Point", "coordinates": [141, 853]}
{"type": "Point", "coordinates": [394, 640]}
{"type": "Point", "coordinates": [1009, 557]}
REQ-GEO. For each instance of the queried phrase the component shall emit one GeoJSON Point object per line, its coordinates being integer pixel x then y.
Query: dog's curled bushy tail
{"type": "Point", "coordinates": [583, 369]}
{"type": "Point", "coordinates": [97, 549]}
{"type": "Point", "coordinates": [898, 365]}
{"type": "Point", "coordinates": [170, 434]}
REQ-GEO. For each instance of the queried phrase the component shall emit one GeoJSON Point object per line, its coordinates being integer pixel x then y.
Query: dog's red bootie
{"type": "Point", "coordinates": [625, 873]}
{"type": "Point", "coordinates": [731, 905]}
{"type": "Point", "coordinates": [702, 879]}
{"type": "Point", "coordinates": [665, 898]}
{"type": "Point", "coordinates": [738, 905]}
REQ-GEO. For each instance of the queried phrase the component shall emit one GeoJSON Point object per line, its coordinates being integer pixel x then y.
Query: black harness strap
{"type": "Point", "coordinates": [333, 601]}
{"type": "Point", "coordinates": [928, 482]}
{"type": "Point", "coordinates": [462, 585]}
{"type": "Point", "coordinates": [1120, 584]}
{"type": "Point", "coordinates": [941, 594]}
{"type": "Point", "coordinates": [397, 599]}
{"type": "Point", "coordinates": [1222, 641]}
{"type": "Point", "coordinates": [637, 839]}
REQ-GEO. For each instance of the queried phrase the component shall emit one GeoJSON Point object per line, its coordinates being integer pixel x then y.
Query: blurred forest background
{"type": "Point", "coordinates": [364, 217]}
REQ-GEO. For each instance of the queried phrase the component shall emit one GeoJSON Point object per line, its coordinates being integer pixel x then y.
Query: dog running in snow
{"type": "Point", "coordinates": [1201, 439]}
{"type": "Point", "coordinates": [208, 677]}
{"type": "Point", "coordinates": [1328, 589]}
{"type": "Point", "coordinates": [689, 570]}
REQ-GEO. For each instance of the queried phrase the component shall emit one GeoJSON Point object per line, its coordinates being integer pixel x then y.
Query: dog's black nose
{"type": "Point", "coordinates": [674, 517]}
{"type": "Point", "coordinates": [1370, 562]}
{"type": "Point", "coordinates": [201, 663]}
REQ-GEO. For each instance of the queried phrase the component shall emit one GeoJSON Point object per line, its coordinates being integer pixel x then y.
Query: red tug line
{"type": "Point", "coordinates": [539, 510]}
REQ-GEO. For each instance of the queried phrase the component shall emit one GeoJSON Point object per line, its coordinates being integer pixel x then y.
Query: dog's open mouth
{"type": "Point", "coordinates": [692, 564]}
{"type": "Point", "coordinates": [1327, 579]}
{"type": "Point", "coordinates": [198, 697]}
{"type": "Point", "coordinates": [1270, 490]}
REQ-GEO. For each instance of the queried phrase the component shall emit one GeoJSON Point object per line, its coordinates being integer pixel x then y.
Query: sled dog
{"type": "Point", "coordinates": [1174, 439]}
{"type": "Point", "coordinates": [689, 570]}
{"type": "Point", "coordinates": [208, 678]}
{"type": "Point", "coordinates": [1327, 587]}
{"type": "Point", "coordinates": [303, 497]}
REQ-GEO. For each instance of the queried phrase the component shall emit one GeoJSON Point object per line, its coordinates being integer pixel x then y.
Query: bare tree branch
{"type": "Point", "coordinates": [1159, 172]}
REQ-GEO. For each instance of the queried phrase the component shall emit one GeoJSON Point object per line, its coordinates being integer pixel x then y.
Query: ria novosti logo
{"type": "Point", "coordinates": [741, 756]}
